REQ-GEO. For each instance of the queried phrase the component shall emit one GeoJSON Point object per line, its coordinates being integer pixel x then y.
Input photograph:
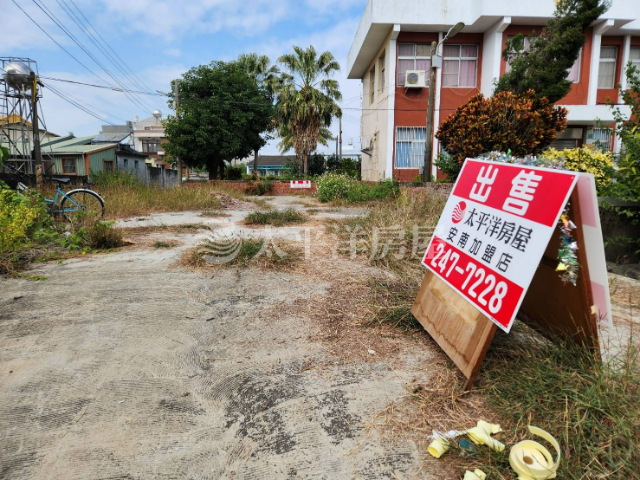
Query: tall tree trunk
{"type": "Point", "coordinates": [305, 159]}
{"type": "Point", "coordinates": [215, 166]}
{"type": "Point", "coordinates": [255, 162]}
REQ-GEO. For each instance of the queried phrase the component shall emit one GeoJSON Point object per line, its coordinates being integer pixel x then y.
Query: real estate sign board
{"type": "Point", "coordinates": [493, 232]}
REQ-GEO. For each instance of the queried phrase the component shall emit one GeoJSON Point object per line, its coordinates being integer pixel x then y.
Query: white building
{"type": "Point", "coordinates": [395, 36]}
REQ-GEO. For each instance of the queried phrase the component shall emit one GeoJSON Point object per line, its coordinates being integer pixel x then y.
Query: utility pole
{"type": "Point", "coordinates": [426, 170]}
{"type": "Point", "coordinates": [176, 104]}
{"type": "Point", "coordinates": [428, 147]}
{"type": "Point", "coordinates": [340, 136]}
{"type": "Point", "coordinates": [37, 153]}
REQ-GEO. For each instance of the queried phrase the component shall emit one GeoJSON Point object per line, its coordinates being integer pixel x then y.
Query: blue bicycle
{"type": "Point", "coordinates": [73, 201]}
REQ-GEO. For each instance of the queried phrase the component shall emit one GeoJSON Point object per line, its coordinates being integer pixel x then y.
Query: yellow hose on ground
{"type": "Point", "coordinates": [531, 460]}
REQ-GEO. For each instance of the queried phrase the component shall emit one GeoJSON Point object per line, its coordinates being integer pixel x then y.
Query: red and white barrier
{"type": "Point", "coordinates": [300, 183]}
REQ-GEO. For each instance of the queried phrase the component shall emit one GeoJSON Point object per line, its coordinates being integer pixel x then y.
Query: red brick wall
{"type": "Point", "coordinates": [279, 188]}
{"type": "Point", "coordinates": [411, 106]}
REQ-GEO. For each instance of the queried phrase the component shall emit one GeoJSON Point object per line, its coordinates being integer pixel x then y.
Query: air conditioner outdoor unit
{"type": "Point", "coordinates": [415, 79]}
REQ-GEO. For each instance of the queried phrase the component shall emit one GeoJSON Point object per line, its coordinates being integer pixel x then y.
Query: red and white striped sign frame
{"type": "Point", "coordinates": [300, 183]}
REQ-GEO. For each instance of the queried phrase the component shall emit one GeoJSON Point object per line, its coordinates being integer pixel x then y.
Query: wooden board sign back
{"type": "Point", "coordinates": [555, 309]}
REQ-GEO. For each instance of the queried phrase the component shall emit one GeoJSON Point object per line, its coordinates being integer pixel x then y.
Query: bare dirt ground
{"type": "Point", "coordinates": [121, 365]}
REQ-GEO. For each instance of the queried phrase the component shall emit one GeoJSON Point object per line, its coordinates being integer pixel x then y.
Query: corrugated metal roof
{"type": "Point", "coordinates": [73, 141]}
{"type": "Point", "coordinates": [56, 141]}
{"type": "Point", "coordinates": [78, 149]}
{"type": "Point", "coordinates": [111, 137]}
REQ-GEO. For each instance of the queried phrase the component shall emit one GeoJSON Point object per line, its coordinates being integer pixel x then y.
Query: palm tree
{"type": "Point", "coordinates": [286, 139]}
{"type": "Point", "coordinates": [307, 98]}
{"type": "Point", "coordinates": [266, 76]}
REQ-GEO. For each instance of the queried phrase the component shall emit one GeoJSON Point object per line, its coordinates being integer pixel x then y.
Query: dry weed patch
{"type": "Point", "coordinates": [245, 252]}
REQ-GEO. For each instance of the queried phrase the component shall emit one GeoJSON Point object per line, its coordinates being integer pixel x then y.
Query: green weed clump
{"type": "Point", "coordinates": [277, 218]}
{"type": "Point", "coordinates": [256, 186]}
{"type": "Point", "coordinates": [245, 252]}
{"type": "Point", "coordinates": [591, 408]}
{"type": "Point", "coordinates": [335, 187]}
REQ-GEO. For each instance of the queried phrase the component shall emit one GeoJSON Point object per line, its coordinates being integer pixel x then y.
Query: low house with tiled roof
{"type": "Point", "coordinates": [276, 165]}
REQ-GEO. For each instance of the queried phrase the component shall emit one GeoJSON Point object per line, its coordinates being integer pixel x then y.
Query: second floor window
{"type": "Point", "coordinates": [413, 56]}
{"type": "Point", "coordinates": [150, 144]}
{"type": "Point", "coordinates": [573, 73]}
{"type": "Point", "coordinates": [460, 65]}
{"type": "Point", "coordinates": [607, 67]}
{"type": "Point", "coordinates": [634, 57]}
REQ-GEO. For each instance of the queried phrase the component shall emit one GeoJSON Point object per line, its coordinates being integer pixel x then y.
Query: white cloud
{"type": "Point", "coordinates": [173, 52]}
{"type": "Point", "coordinates": [111, 106]}
{"type": "Point", "coordinates": [19, 33]}
{"type": "Point", "coordinates": [168, 19]}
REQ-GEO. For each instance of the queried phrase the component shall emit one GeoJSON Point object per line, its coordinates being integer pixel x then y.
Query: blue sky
{"type": "Point", "coordinates": [161, 39]}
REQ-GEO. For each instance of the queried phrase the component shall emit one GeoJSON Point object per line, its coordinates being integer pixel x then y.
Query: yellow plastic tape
{"type": "Point", "coordinates": [481, 435]}
{"type": "Point", "coordinates": [532, 461]}
{"type": "Point", "coordinates": [438, 447]}
{"type": "Point", "coordinates": [477, 474]}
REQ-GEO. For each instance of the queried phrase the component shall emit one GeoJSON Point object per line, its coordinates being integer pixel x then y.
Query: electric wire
{"type": "Point", "coordinates": [58, 44]}
{"type": "Point", "coordinates": [88, 105]}
{"type": "Point", "coordinates": [55, 19]}
{"type": "Point", "coordinates": [71, 14]}
{"type": "Point", "coordinates": [77, 105]}
{"type": "Point", "coordinates": [144, 85]}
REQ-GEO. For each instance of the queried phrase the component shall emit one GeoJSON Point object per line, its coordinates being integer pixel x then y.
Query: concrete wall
{"type": "Point", "coordinates": [376, 124]}
{"type": "Point", "coordinates": [146, 174]}
{"type": "Point", "coordinates": [279, 188]}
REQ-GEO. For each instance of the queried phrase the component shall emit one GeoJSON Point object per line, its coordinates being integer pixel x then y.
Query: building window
{"type": "Point", "coordinates": [126, 163]}
{"type": "Point", "coordinates": [607, 67]}
{"type": "Point", "coordinates": [410, 145]}
{"type": "Point", "coordinates": [69, 165]}
{"type": "Point", "coordinates": [372, 84]}
{"type": "Point", "coordinates": [383, 71]}
{"type": "Point", "coordinates": [413, 56]}
{"type": "Point", "coordinates": [573, 73]}
{"type": "Point", "coordinates": [460, 65]}
{"type": "Point", "coordinates": [150, 145]}
{"type": "Point", "coordinates": [634, 57]}
{"type": "Point", "coordinates": [135, 164]}
{"type": "Point", "coordinates": [107, 166]}
{"type": "Point", "coordinates": [601, 138]}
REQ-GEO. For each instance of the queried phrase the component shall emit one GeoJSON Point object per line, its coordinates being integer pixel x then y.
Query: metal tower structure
{"type": "Point", "coordinates": [19, 118]}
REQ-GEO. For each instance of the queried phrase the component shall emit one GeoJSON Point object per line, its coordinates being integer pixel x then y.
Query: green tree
{"type": "Point", "coordinates": [543, 67]}
{"type": "Point", "coordinates": [266, 76]}
{"type": "Point", "coordinates": [307, 100]}
{"type": "Point", "coordinates": [627, 183]}
{"type": "Point", "coordinates": [223, 114]}
{"type": "Point", "coordinates": [4, 155]}
{"type": "Point", "coordinates": [286, 140]}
